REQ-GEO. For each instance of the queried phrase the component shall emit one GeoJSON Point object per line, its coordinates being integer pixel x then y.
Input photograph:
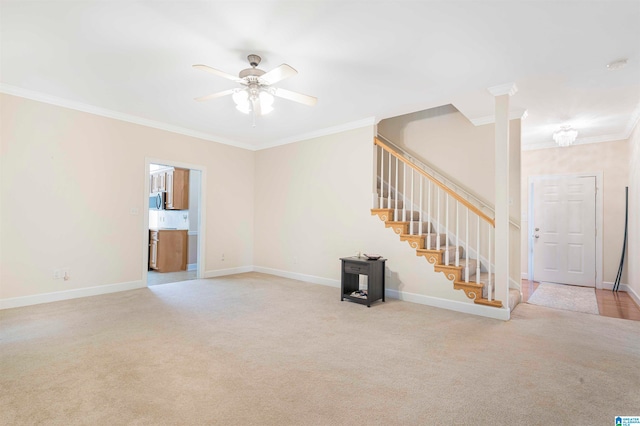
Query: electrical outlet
{"type": "Point", "coordinates": [57, 274]}
{"type": "Point", "coordinates": [222, 257]}
{"type": "Point", "coordinates": [295, 260]}
{"type": "Point", "coordinates": [66, 274]}
{"type": "Point", "coordinates": [133, 211]}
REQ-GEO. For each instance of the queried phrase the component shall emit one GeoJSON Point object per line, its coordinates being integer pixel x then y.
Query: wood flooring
{"type": "Point", "coordinates": [610, 304]}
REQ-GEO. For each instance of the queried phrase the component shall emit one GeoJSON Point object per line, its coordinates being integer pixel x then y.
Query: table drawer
{"type": "Point", "coordinates": [356, 268]}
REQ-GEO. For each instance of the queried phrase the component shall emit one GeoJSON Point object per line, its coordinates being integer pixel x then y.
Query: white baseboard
{"type": "Point", "coordinates": [300, 277]}
{"type": "Point", "coordinates": [467, 308]}
{"type": "Point", "coordinates": [230, 271]}
{"type": "Point", "coordinates": [36, 299]}
{"type": "Point", "coordinates": [623, 287]}
{"type": "Point", "coordinates": [192, 266]}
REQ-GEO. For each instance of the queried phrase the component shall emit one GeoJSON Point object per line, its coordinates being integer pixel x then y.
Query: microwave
{"type": "Point", "coordinates": [157, 200]}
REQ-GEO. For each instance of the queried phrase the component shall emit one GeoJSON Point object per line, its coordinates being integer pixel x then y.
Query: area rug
{"type": "Point", "coordinates": [567, 297]}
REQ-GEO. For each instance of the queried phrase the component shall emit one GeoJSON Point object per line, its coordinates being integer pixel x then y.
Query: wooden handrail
{"type": "Point", "coordinates": [442, 186]}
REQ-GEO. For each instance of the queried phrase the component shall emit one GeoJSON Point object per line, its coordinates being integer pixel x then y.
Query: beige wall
{"type": "Point", "coordinates": [633, 237]}
{"type": "Point", "coordinates": [69, 180]}
{"type": "Point", "coordinates": [610, 159]}
{"type": "Point", "coordinates": [446, 140]}
{"type": "Point", "coordinates": [313, 201]}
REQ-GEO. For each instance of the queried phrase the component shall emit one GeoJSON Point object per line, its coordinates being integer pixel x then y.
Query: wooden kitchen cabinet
{"type": "Point", "coordinates": [177, 187]}
{"type": "Point", "coordinates": [168, 250]}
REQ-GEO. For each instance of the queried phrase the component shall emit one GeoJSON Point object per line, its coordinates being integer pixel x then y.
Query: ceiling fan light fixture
{"type": "Point", "coordinates": [565, 136]}
{"type": "Point", "coordinates": [257, 95]}
{"type": "Point", "coordinates": [266, 102]}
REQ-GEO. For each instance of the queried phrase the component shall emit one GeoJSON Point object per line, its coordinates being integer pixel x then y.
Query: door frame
{"type": "Point", "coordinates": [599, 216]}
{"type": "Point", "coordinates": [201, 206]}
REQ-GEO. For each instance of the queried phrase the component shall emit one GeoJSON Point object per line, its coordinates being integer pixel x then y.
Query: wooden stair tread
{"type": "Point", "coordinates": [475, 291]}
{"type": "Point", "coordinates": [487, 302]}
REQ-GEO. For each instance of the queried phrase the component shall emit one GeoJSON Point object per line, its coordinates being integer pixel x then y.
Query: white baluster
{"type": "Point", "coordinates": [478, 249]}
{"type": "Point", "coordinates": [446, 228]}
{"type": "Point", "coordinates": [489, 288]}
{"type": "Point", "coordinates": [420, 224]}
{"type": "Point", "coordinates": [411, 212]}
{"type": "Point", "coordinates": [466, 250]}
{"type": "Point", "coordinates": [429, 215]}
{"type": "Point", "coordinates": [438, 220]}
{"type": "Point", "coordinates": [395, 185]}
{"type": "Point", "coordinates": [381, 178]}
{"type": "Point", "coordinates": [389, 184]}
{"type": "Point", "coordinates": [405, 193]}
{"type": "Point", "coordinates": [457, 236]}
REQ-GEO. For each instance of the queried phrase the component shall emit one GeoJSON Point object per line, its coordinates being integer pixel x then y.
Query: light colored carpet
{"type": "Point", "coordinates": [253, 349]}
{"type": "Point", "coordinates": [567, 297]}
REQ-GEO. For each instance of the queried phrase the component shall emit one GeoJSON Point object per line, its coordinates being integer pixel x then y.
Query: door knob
{"type": "Point", "coordinates": [537, 236]}
{"type": "Point", "coordinates": [537, 229]}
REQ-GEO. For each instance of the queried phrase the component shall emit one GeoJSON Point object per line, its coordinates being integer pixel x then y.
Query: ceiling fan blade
{"type": "Point", "coordinates": [278, 74]}
{"type": "Point", "coordinates": [296, 97]}
{"type": "Point", "coordinates": [218, 73]}
{"type": "Point", "coordinates": [214, 95]}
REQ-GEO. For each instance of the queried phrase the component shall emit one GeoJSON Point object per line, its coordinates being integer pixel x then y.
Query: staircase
{"type": "Point", "coordinates": [442, 225]}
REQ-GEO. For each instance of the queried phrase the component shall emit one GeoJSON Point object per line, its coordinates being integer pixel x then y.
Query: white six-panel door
{"type": "Point", "coordinates": [564, 240]}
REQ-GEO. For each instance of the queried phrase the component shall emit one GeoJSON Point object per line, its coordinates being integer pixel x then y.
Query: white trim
{"type": "Point", "coordinates": [79, 106]}
{"type": "Point", "coordinates": [452, 305]}
{"type": "Point", "coordinates": [192, 233]}
{"type": "Point", "coordinates": [524, 275]}
{"type": "Point", "coordinates": [623, 287]}
{"type": "Point", "coordinates": [297, 276]}
{"type": "Point", "coordinates": [503, 89]}
{"type": "Point", "coordinates": [192, 266]}
{"type": "Point", "coordinates": [515, 114]}
{"type": "Point", "coordinates": [229, 271]}
{"type": "Point", "coordinates": [599, 221]}
{"type": "Point", "coordinates": [370, 121]}
{"type": "Point", "coordinates": [580, 141]}
{"type": "Point", "coordinates": [631, 292]}
{"type": "Point", "coordinates": [468, 308]}
{"type": "Point", "coordinates": [607, 285]}
{"type": "Point", "coordinates": [56, 296]}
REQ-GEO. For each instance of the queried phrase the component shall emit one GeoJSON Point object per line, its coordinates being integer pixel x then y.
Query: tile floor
{"type": "Point", "coordinates": [156, 278]}
{"type": "Point", "coordinates": [610, 304]}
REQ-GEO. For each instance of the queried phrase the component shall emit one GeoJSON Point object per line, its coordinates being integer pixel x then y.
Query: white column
{"type": "Point", "coordinates": [501, 94]}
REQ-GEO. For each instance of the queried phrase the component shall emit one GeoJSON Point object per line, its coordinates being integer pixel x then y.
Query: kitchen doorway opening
{"type": "Point", "coordinates": [173, 247]}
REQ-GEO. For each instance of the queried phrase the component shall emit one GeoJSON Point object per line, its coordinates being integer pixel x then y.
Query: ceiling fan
{"type": "Point", "coordinates": [256, 94]}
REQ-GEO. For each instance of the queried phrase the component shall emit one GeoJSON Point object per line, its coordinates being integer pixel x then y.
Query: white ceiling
{"type": "Point", "coordinates": [364, 60]}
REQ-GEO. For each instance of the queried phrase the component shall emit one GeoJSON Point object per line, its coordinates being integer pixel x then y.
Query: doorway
{"type": "Point", "coordinates": [173, 248]}
{"type": "Point", "coordinates": [565, 244]}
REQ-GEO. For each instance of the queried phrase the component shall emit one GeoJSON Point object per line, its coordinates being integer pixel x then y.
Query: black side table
{"type": "Point", "coordinates": [352, 268]}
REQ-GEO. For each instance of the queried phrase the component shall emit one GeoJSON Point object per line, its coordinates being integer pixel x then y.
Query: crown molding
{"type": "Point", "coordinates": [633, 121]}
{"type": "Point", "coordinates": [488, 119]}
{"type": "Point", "coordinates": [580, 141]}
{"type": "Point", "coordinates": [370, 121]}
{"type": "Point", "coordinates": [91, 109]}
{"type": "Point", "coordinates": [503, 89]}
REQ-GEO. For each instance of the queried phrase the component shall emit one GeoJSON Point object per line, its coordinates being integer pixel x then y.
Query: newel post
{"type": "Point", "coordinates": [501, 95]}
